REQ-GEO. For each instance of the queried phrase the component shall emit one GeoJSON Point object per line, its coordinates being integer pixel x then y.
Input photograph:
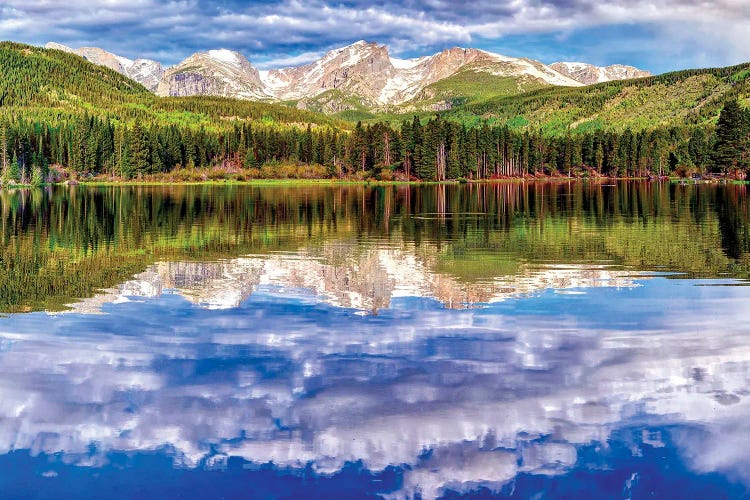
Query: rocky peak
{"type": "Point", "coordinates": [96, 56]}
{"type": "Point", "coordinates": [215, 72]}
{"type": "Point", "coordinates": [146, 72]}
{"type": "Point", "coordinates": [589, 74]}
{"type": "Point", "coordinates": [447, 62]}
{"type": "Point", "coordinates": [104, 58]}
{"type": "Point", "coordinates": [622, 72]}
{"type": "Point", "coordinates": [361, 59]}
{"type": "Point", "coordinates": [59, 46]}
{"type": "Point", "coordinates": [362, 66]}
{"type": "Point", "coordinates": [356, 53]}
{"type": "Point", "coordinates": [228, 57]}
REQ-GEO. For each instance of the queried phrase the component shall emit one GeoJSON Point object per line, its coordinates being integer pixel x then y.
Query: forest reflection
{"type": "Point", "coordinates": [467, 242]}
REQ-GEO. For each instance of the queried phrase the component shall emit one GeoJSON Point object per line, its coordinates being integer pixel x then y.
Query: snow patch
{"type": "Point", "coordinates": [498, 57]}
{"type": "Point", "coordinates": [225, 56]}
{"type": "Point", "coordinates": [354, 56]}
{"type": "Point", "coordinates": [574, 66]}
{"type": "Point", "coordinates": [272, 84]}
{"type": "Point", "coordinates": [405, 84]}
{"type": "Point", "coordinates": [548, 75]}
{"type": "Point", "coordinates": [407, 63]}
{"type": "Point", "coordinates": [602, 76]}
{"type": "Point", "coordinates": [124, 62]}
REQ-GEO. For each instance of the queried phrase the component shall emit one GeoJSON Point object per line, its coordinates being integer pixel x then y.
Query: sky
{"type": "Point", "coordinates": [657, 35]}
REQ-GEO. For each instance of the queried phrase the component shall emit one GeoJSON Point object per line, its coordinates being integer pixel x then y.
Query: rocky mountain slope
{"type": "Point", "coordinates": [145, 71]}
{"type": "Point", "coordinates": [215, 72]}
{"type": "Point", "coordinates": [368, 71]}
{"type": "Point", "coordinates": [360, 76]}
{"type": "Point", "coordinates": [589, 74]}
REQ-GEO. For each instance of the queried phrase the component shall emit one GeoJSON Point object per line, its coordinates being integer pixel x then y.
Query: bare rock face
{"type": "Point", "coordinates": [367, 71]}
{"type": "Point", "coordinates": [104, 58]}
{"type": "Point", "coordinates": [362, 69]}
{"type": "Point", "coordinates": [216, 72]}
{"type": "Point", "coordinates": [414, 75]}
{"type": "Point", "coordinates": [144, 71]}
{"type": "Point", "coordinates": [448, 62]}
{"type": "Point", "coordinates": [96, 56]}
{"type": "Point", "coordinates": [588, 74]}
{"type": "Point", "coordinates": [59, 46]}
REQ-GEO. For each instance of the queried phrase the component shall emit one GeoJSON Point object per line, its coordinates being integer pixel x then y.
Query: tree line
{"type": "Point", "coordinates": [434, 150]}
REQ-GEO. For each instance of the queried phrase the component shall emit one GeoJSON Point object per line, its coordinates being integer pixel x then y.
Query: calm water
{"type": "Point", "coordinates": [537, 341]}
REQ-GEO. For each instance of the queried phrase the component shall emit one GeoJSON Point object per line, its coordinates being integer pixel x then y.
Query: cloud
{"type": "Point", "coordinates": [287, 61]}
{"type": "Point", "coordinates": [674, 33]}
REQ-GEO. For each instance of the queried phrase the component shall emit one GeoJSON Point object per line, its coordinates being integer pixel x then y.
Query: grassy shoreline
{"type": "Point", "coordinates": [355, 182]}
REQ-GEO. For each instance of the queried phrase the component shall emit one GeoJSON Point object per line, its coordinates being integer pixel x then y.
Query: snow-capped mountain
{"type": "Point", "coordinates": [362, 72]}
{"type": "Point", "coordinates": [215, 72]}
{"type": "Point", "coordinates": [589, 74]}
{"type": "Point", "coordinates": [145, 71]}
{"type": "Point", "coordinates": [365, 70]}
{"type": "Point", "coordinates": [362, 69]}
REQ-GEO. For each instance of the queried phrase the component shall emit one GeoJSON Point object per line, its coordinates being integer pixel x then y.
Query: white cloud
{"type": "Point", "coordinates": [686, 32]}
{"type": "Point", "coordinates": [287, 61]}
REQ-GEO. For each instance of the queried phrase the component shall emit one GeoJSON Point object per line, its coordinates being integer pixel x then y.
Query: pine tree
{"type": "Point", "coordinates": [307, 146]}
{"type": "Point", "coordinates": [14, 174]}
{"type": "Point", "coordinates": [241, 149]}
{"type": "Point", "coordinates": [120, 166]}
{"type": "Point", "coordinates": [731, 138]}
{"type": "Point", "coordinates": [138, 149]}
{"type": "Point", "coordinates": [357, 157]}
{"type": "Point", "coordinates": [90, 160]}
{"type": "Point", "coordinates": [453, 167]}
{"type": "Point", "coordinates": [156, 163]}
{"type": "Point", "coordinates": [37, 177]}
{"type": "Point", "coordinates": [106, 147]}
{"type": "Point", "coordinates": [599, 158]}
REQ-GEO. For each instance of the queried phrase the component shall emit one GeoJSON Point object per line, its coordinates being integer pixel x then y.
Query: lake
{"type": "Point", "coordinates": [538, 340]}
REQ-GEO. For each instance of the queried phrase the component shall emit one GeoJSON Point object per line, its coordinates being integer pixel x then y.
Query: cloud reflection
{"type": "Point", "coordinates": [291, 374]}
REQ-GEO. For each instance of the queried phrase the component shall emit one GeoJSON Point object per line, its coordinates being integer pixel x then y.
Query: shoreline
{"type": "Point", "coordinates": [352, 182]}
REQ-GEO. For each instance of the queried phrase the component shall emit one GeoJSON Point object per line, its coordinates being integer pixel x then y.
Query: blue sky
{"type": "Point", "coordinates": [658, 35]}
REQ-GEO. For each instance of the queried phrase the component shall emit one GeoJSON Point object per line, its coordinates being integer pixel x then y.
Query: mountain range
{"type": "Point", "coordinates": [359, 76]}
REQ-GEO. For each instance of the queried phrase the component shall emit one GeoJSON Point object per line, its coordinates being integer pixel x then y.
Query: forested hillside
{"type": "Point", "coordinates": [691, 97]}
{"type": "Point", "coordinates": [57, 108]}
{"type": "Point", "coordinates": [89, 121]}
{"type": "Point", "coordinates": [51, 83]}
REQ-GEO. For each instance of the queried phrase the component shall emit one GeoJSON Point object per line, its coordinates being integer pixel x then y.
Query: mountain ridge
{"type": "Point", "coordinates": [588, 74]}
{"type": "Point", "coordinates": [144, 71]}
{"type": "Point", "coordinates": [362, 75]}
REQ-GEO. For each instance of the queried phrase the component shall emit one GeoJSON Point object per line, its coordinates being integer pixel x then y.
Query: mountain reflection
{"type": "Point", "coordinates": [344, 276]}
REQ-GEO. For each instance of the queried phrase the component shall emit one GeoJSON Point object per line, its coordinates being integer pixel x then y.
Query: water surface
{"type": "Point", "coordinates": [544, 340]}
